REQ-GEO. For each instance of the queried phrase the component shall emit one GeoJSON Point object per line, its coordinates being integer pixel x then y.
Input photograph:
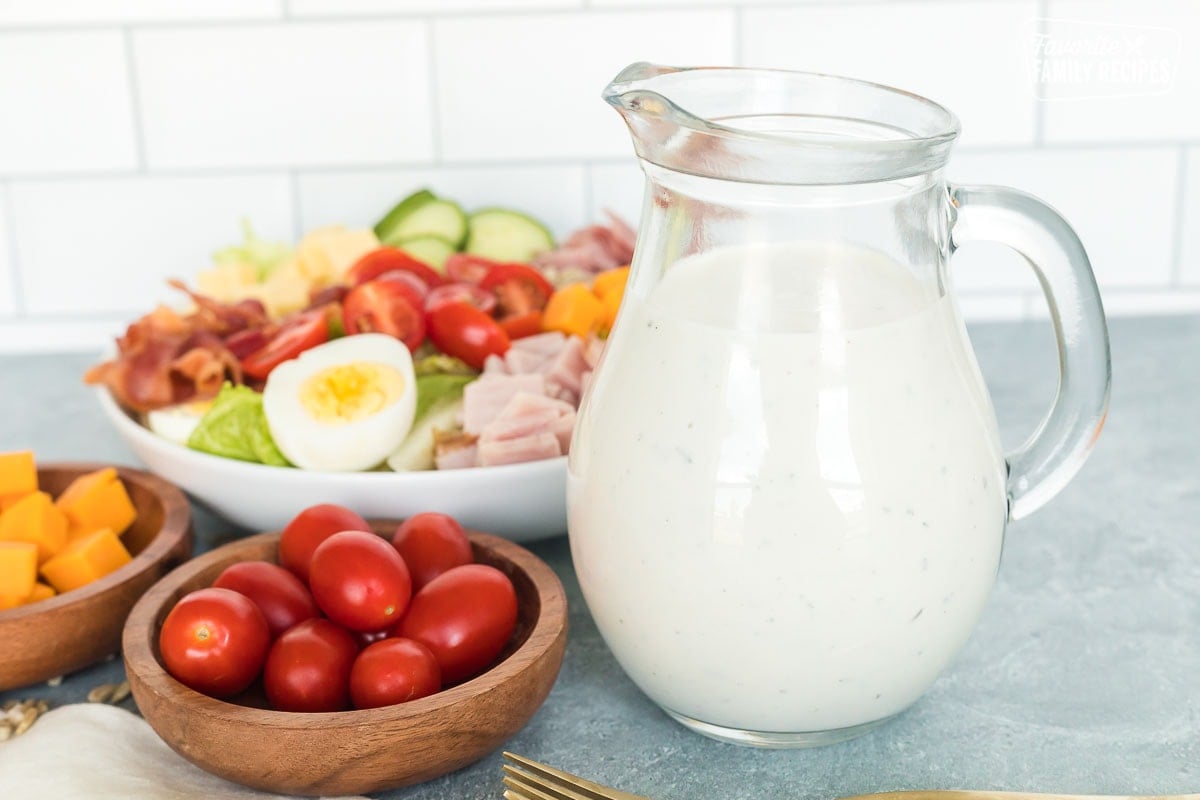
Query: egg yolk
{"type": "Point", "coordinates": [349, 392]}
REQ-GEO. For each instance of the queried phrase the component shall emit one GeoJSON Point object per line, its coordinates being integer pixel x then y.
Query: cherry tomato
{"type": "Point", "coordinates": [389, 259]}
{"type": "Point", "coordinates": [385, 306]}
{"type": "Point", "coordinates": [413, 288]}
{"type": "Point", "coordinates": [309, 528]}
{"type": "Point", "coordinates": [465, 332]}
{"type": "Point", "coordinates": [484, 300]}
{"type": "Point", "coordinates": [430, 544]}
{"type": "Point", "coordinates": [370, 637]}
{"type": "Point", "coordinates": [465, 617]}
{"type": "Point", "coordinates": [467, 268]}
{"type": "Point", "coordinates": [308, 667]}
{"type": "Point", "coordinates": [519, 288]}
{"type": "Point", "coordinates": [279, 595]}
{"type": "Point", "coordinates": [393, 671]}
{"type": "Point", "coordinates": [518, 326]}
{"type": "Point", "coordinates": [298, 334]}
{"type": "Point", "coordinates": [360, 581]}
{"type": "Point", "coordinates": [215, 641]}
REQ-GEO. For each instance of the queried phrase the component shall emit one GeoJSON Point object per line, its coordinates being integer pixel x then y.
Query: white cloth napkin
{"type": "Point", "coordinates": [92, 751]}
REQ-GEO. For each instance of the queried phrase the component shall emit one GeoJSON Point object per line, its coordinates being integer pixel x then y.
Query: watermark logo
{"type": "Point", "coordinates": [1072, 59]}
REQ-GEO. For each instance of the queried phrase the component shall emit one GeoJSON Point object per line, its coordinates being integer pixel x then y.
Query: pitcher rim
{"type": "Point", "coordinates": [915, 150]}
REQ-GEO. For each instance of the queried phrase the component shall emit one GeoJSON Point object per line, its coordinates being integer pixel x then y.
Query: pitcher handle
{"type": "Point", "coordinates": [1046, 462]}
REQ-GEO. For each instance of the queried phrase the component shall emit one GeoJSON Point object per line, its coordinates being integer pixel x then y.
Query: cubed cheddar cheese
{"type": "Point", "coordinates": [18, 571]}
{"type": "Point", "coordinates": [95, 501]}
{"type": "Point", "coordinates": [85, 560]}
{"type": "Point", "coordinates": [41, 591]}
{"type": "Point", "coordinates": [7, 501]}
{"type": "Point", "coordinates": [34, 518]}
{"type": "Point", "coordinates": [18, 473]}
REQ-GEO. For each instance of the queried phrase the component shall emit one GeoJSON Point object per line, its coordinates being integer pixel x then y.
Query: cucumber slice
{"type": "Point", "coordinates": [416, 451]}
{"type": "Point", "coordinates": [502, 234]}
{"type": "Point", "coordinates": [423, 214]}
{"type": "Point", "coordinates": [433, 250]}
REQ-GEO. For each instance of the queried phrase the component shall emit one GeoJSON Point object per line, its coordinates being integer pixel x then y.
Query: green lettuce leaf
{"type": "Point", "coordinates": [264, 256]}
{"type": "Point", "coordinates": [235, 427]}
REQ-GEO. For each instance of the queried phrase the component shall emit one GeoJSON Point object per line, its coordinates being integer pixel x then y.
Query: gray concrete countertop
{"type": "Point", "coordinates": [1083, 676]}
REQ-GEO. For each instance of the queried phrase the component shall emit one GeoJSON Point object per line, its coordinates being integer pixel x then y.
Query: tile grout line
{"type": "Point", "coordinates": [16, 285]}
{"type": "Point", "coordinates": [1180, 218]}
{"type": "Point", "coordinates": [289, 17]}
{"type": "Point", "coordinates": [738, 25]}
{"type": "Point", "coordinates": [589, 196]}
{"type": "Point", "coordinates": [297, 205]}
{"type": "Point", "coordinates": [236, 170]}
{"type": "Point", "coordinates": [135, 100]}
{"type": "Point", "coordinates": [434, 106]}
{"type": "Point", "coordinates": [1039, 104]}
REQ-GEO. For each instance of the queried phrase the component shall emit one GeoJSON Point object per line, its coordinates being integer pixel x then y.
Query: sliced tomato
{"type": "Point", "coordinates": [388, 259]}
{"type": "Point", "coordinates": [413, 287]}
{"type": "Point", "coordinates": [518, 326]}
{"type": "Point", "coordinates": [298, 334]}
{"type": "Point", "coordinates": [463, 331]}
{"type": "Point", "coordinates": [385, 306]}
{"type": "Point", "coordinates": [519, 288]}
{"type": "Point", "coordinates": [482, 299]}
{"type": "Point", "coordinates": [466, 268]}
{"type": "Point", "coordinates": [243, 343]}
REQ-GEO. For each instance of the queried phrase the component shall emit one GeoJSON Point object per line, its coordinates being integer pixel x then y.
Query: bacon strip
{"type": "Point", "coordinates": [165, 358]}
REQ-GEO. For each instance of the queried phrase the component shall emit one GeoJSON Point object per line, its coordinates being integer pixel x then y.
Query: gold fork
{"type": "Point", "coordinates": [526, 779]}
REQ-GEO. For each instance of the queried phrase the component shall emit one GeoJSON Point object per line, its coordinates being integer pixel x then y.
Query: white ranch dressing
{"type": "Point", "coordinates": [787, 502]}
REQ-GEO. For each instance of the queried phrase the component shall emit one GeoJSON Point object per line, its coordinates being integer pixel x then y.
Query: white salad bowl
{"type": "Point", "coordinates": [521, 502]}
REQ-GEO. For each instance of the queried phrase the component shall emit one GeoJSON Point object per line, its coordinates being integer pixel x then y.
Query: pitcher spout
{"type": "Point", "coordinates": [776, 126]}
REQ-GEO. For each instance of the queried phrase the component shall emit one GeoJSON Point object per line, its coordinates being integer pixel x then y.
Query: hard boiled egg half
{"type": "Point", "coordinates": [176, 423]}
{"type": "Point", "coordinates": [342, 406]}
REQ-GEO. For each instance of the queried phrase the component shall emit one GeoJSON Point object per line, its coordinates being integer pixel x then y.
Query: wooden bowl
{"type": "Point", "coordinates": [81, 627]}
{"type": "Point", "coordinates": [350, 752]}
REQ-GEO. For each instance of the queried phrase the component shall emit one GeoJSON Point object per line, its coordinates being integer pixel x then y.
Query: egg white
{"type": "Point", "coordinates": [349, 446]}
{"type": "Point", "coordinates": [176, 423]}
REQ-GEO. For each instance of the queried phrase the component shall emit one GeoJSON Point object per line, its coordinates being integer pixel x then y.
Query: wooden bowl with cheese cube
{"type": "Point", "coordinates": [79, 544]}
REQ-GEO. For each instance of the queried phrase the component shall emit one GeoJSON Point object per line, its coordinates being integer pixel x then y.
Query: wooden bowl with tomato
{"type": "Point", "coordinates": [355, 751]}
{"type": "Point", "coordinates": [83, 626]}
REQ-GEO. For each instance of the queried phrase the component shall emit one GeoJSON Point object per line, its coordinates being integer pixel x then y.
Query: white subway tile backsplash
{"type": "Point", "coordinates": [1154, 38]}
{"type": "Point", "coordinates": [23, 335]}
{"type": "Point", "coordinates": [968, 55]}
{"type": "Point", "coordinates": [1150, 303]}
{"type": "Point", "coordinates": [1189, 251]}
{"type": "Point", "coordinates": [555, 195]}
{"type": "Point", "coordinates": [619, 188]}
{"type": "Point", "coordinates": [1118, 201]}
{"type": "Point", "coordinates": [529, 86]}
{"type": "Point", "coordinates": [993, 308]}
{"type": "Point", "coordinates": [75, 12]}
{"type": "Point", "coordinates": [64, 103]}
{"type": "Point", "coordinates": [332, 8]}
{"type": "Point", "coordinates": [8, 303]}
{"type": "Point", "coordinates": [90, 247]}
{"type": "Point", "coordinates": [285, 95]}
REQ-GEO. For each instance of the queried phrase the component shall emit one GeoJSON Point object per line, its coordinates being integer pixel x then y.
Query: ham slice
{"type": "Point", "coordinates": [535, 447]}
{"type": "Point", "coordinates": [454, 451]}
{"type": "Point", "coordinates": [524, 362]}
{"type": "Point", "coordinates": [564, 379]}
{"type": "Point", "coordinates": [484, 399]}
{"type": "Point", "coordinates": [526, 414]}
{"type": "Point", "coordinates": [495, 365]}
{"type": "Point", "coordinates": [546, 344]}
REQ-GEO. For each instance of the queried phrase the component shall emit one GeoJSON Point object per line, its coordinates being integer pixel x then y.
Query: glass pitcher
{"type": "Point", "coordinates": [786, 491]}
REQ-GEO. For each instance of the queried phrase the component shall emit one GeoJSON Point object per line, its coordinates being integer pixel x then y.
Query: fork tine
{"type": "Point", "coordinates": [537, 788]}
{"type": "Point", "coordinates": [550, 778]}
